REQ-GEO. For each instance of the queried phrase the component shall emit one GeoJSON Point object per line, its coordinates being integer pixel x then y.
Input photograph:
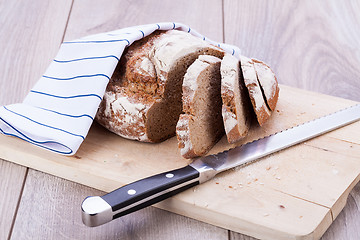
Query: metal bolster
{"type": "Point", "coordinates": [206, 172]}
{"type": "Point", "coordinates": [95, 211]}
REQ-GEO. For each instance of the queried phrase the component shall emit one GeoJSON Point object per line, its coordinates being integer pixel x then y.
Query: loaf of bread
{"type": "Point", "coordinates": [143, 98]}
{"type": "Point", "coordinates": [172, 82]}
{"type": "Point", "coordinates": [201, 125]}
{"type": "Point", "coordinates": [236, 106]}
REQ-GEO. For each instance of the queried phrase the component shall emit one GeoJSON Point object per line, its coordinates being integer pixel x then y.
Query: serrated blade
{"type": "Point", "coordinates": [262, 147]}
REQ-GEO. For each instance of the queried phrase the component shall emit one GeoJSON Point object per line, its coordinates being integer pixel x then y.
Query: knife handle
{"type": "Point", "coordinates": [137, 195]}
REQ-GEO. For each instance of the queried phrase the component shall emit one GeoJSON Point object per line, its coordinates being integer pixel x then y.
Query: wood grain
{"type": "Point", "coordinates": [111, 15]}
{"type": "Point", "coordinates": [50, 209]}
{"type": "Point", "coordinates": [30, 35]}
{"type": "Point", "coordinates": [11, 183]}
{"type": "Point", "coordinates": [310, 45]}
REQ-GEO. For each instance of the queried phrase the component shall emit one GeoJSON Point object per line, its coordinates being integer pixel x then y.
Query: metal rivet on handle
{"type": "Point", "coordinates": [131, 192]}
{"type": "Point", "coordinates": [169, 175]}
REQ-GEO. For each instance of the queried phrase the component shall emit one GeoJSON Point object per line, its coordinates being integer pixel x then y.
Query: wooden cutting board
{"type": "Point", "coordinates": [292, 194]}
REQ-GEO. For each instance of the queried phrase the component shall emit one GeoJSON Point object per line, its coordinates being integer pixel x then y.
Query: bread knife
{"type": "Point", "coordinates": [97, 210]}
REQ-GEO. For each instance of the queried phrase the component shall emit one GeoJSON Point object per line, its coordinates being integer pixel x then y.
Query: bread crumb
{"type": "Point", "coordinates": [282, 206]}
{"type": "Point", "coordinates": [216, 183]}
{"type": "Point", "coordinates": [300, 217]}
{"type": "Point", "coordinates": [335, 171]}
{"type": "Point", "coordinates": [278, 178]}
{"type": "Point", "coordinates": [230, 187]}
{"type": "Point", "coordinates": [266, 214]}
{"type": "Point", "coordinates": [268, 168]}
{"type": "Point", "coordinates": [116, 155]}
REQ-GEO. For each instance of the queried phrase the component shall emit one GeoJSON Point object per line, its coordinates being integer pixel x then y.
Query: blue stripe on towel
{"type": "Point", "coordinates": [30, 140]}
{"type": "Point", "coordinates": [87, 58]}
{"type": "Point", "coordinates": [99, 41]}
{"type": "Point", "coordinates": [67, 97]}
{"type": "Point", "coordinates": [42, 124]}
{"type": "Point", "coordinates": [68, 115]}
{"type": "Point", "coordinates": [81, 76]}
{"type": "Point", "coordinates": [142, 33]}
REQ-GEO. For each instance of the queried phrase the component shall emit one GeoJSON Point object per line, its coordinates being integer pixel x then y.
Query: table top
{"type": "Point", "coordinates": [310, 45]}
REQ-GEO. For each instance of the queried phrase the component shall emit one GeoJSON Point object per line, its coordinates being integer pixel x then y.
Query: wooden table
{"type": "Point", "coordinates": [313, 45]}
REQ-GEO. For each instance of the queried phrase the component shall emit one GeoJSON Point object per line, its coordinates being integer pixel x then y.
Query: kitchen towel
{"type": "Point", "coordinates": [59, 110]}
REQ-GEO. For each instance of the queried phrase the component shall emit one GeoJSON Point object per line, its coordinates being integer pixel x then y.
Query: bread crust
{"type": "Point", "coordinates": [268, 83]}
{"type": "Point", "coordinates": [146, 81]}
{"type": "Point", "coordinates": [236, 104]}
{"type": "Point", "coordinates": [258, 102]}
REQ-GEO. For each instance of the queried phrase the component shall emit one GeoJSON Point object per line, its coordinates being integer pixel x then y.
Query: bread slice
{"type": "Point", "coordinates": [258, 102]}
{"type": "Point", "coordinates": [236, 108]}
{"type": "Point", "coordinates": [143, 98]}
{"type": "Point", "coordinates": [268, 83]}
{"type": "Point", "coordinates": [201, 125]}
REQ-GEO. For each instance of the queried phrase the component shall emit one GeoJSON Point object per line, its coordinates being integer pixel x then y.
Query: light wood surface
{"type": "Point", "coordinates": [311, 46]}
{"type": "Point", "coordinates": [279, 197]}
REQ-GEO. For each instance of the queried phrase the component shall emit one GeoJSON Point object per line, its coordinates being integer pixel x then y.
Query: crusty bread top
{"type": "Point", "coordinates": [236, 104]}
{"type": "Point", "coordinates": [268, 83]}
{"type": "Point", "coordinates": [143, 98]}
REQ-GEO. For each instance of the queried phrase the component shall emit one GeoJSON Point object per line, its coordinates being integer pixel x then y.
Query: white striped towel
{"type": "Point", "coordinates": [59, 110]}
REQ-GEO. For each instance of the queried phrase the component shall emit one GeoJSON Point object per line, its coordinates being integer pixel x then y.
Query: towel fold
{"type": "Point", "coordinates": [59, 110]}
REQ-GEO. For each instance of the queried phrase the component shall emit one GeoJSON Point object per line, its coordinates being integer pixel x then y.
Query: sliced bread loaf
{"type": "Point", "coordinates": [236, 108]}
{"type": "Point", "coordinates": [258, 102]}
{"type": "Point", "coordinates": [143, 99]}
{"type": "Point", "coordinates": [201, 125]}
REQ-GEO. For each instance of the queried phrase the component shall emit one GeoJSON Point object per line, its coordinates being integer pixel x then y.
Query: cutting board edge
{"type": "Point", "coordinates": [247, 227]}
{"type": "Point", "coordinates": [339, 205]}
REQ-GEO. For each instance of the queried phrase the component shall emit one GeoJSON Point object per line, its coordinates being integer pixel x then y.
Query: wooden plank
{"type": "Point", "coordinates": [348, 217]}
{"type": "Point", "coordinates": [310, 45]}
{"type": "Point", "coordinates": [50, 209]}
{"type": "Point", "coordinates": [112, 15]}
{"type": "Point", "coordinates": [12, 177]}
{"type": "Point", "coordinates": [30, 35]}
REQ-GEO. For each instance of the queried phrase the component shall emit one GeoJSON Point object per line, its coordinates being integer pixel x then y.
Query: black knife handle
{"type": "Point", "coordinates": [138, 195]}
